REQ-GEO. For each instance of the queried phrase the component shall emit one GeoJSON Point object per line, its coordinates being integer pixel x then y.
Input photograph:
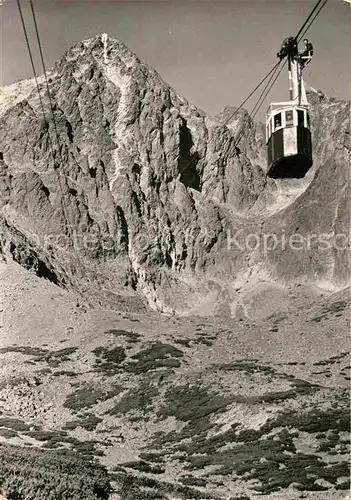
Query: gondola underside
{"type": "Point", "coordinates": [289, 153]}
{"type": "Point", "coordinates": [290, 167]}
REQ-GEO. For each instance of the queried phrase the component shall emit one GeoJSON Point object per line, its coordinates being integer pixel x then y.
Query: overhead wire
{"type": "Point", "coordinates": [309, 16]}
{"type": "Point", "coordinates": [31, 59]}
{"type": "Point", "coordinates": [236, 110]}
{"type": "Point", "coordinates": [251, 93]}
{"type": "Point", "coordinates": [69, 227]}
{"type": "Point", "coordinates": [46, 78]}
{"type": "Point", "coordinates": [260, 100]}
{"type": "Point", "coordinates": [266, 92]}
{"type": "Point", "coordinates": [49, 98]}
{"type": "Point", "coordinates": [303, 32]}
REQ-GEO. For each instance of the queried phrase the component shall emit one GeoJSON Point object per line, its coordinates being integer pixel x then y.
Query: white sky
{"type": "Point", "coordinates": [213, 52]}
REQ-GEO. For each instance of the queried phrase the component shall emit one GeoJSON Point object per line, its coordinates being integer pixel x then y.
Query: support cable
{"type": "Point", "coordinates": [237, 109]}
{"type": "Point", "coordinates": [309, 17]}
{"type": "Point", "coordinates": [31, 59]}
{"type": "Point", "coordinates": [251, 94]}
{"type": "Point", "coordinates": [46, 79]}
{"type": "Point", "coordinates": [64, 208]}
{"type": "Point", "coordinates": [260, 100]}
{"type": "Point", "coordinates": [301, 33]}
{"type": "Point", "coordinates": [311, 22]}
{"type": "Point", "coordinates": [306, 25]}
{"type": "Point", "coordinates": [266, 91]}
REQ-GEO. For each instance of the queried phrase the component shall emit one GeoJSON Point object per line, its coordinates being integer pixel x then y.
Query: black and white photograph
{"type": "Point", "coordinates": [175, 271]}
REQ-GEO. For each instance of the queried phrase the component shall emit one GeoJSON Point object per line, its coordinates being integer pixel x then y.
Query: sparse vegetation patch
{"type": "Point", "coordinates": [193, 481]}
{"type": "Point", "coordinates": [14, 424]}
{"type": "Point", "coordinates": [203, 339]}
{"type": "Point", "coordinates": [144, 466]}
{"type": "Point", "coordinates": [66, 373]}
{"type": "Point", "coordinates": [130, 337]}
{"type": "Point", "coordinates": [133, 487]}
{"type": "Point", "coordinates": [334, 308]}
{"type": "Point", "coordinates": [189, 404]}
{"type": "Point", "coordinates": [109, 360]}
{"type": "Point", "coordinates": [158, 355]}
{"type": "Point", "coordinates": [38, 474]}
{"type": "Point", "coordinates": [138, 399]}
{"type": "Point", "coordinates": [84, 397]}
{"type": "Point", "coordinates": [271, 459]}
{"type": "Point", "coordinates": [7, 433]}
{"type": "Point", "coordinates": [42, 435]}
{"type": "Point", "coordinates": [26, 350]}
{"type": "Point", "coordinates": [88, 422]}
{"type": "Point", "coordinates": [184, 342]}
{"type": "Point", "coordinates": [54, 358]}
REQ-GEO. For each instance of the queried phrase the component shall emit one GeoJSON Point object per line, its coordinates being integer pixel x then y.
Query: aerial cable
{"type": "Point", "coordinates": [306, 25]}
{"type": "Point", "coordinates": [237, 109]}
{"type": "Point", "coordinates": [65, 212]}
{"type": "Point", "coordinates": [31, 59]}
{"type": "Point", "coordinates": [300, 34]}
{"type": "Point", "coordinates": [46, 78]}
{"type": "Point", "coordinates": [46, 122]}
{"type": "Point", "coordinates": [64, 208]}
{"type": "Point", "coordinates": [266, 91]}
{"type": "Point", "coordinates": [312, 21]}
{"type": "Point", "coordinates": [251, 94]}
{"type": "Point", "coordinates": [245, 125]}
{"type": "Point", "coordinates": [298, 37]}
{"type": "Point", "coordinates": [309, 17]}
{"type": "Point", "coordinates": [260, 100]}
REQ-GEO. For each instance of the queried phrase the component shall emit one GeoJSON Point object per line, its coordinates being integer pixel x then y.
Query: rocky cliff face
{"type": "Point", "coordinates": [132, 195]}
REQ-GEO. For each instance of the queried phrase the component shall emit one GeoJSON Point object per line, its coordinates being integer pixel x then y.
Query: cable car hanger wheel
{"type": "Point", "coordinates": [288, 135]}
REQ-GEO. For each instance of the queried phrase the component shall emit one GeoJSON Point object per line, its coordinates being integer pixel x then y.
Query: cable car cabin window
{"type": "Point", "coordinates": [277, 121]}
{"type": "Point", "coordinates": [289, 118]}
{"type": "Point", "coordinates": [268, 130]}
{"type": "Point", "coordinates": [300, 118]}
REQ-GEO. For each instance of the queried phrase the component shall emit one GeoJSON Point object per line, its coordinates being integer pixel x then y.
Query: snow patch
{"type": "Point", "coordinates": [148, 290]}
{"type": "Point", "coordinates": [104, 38]}
{"type": "Point", "coordinates": [10, 95]}
{"type": "Point", "coordinates": [121, 81]}
{"type": "Point", "coordinates": [118, 169]}
{"type": "Point", "coordinates": [124, 137]}
{"type": "Point", "coordinates": [80, 71]}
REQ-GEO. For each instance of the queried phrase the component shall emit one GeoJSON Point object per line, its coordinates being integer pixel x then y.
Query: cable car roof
{"type": "Point", "coordinates": [276, 106]}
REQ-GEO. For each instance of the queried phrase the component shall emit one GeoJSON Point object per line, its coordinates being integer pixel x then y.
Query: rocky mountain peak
{"type": "Point", "coordinates": [99, 50]}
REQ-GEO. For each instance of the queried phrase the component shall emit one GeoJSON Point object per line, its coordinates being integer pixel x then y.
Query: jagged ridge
{"type": "Point", "coordinates": [151, 189]}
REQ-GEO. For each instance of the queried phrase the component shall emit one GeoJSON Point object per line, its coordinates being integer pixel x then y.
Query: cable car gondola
{"type": "Point", "coordinates": [288, 135]}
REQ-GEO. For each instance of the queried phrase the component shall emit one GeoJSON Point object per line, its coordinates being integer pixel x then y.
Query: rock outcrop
{"type": "Point", "coordinates": [126, 192]}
